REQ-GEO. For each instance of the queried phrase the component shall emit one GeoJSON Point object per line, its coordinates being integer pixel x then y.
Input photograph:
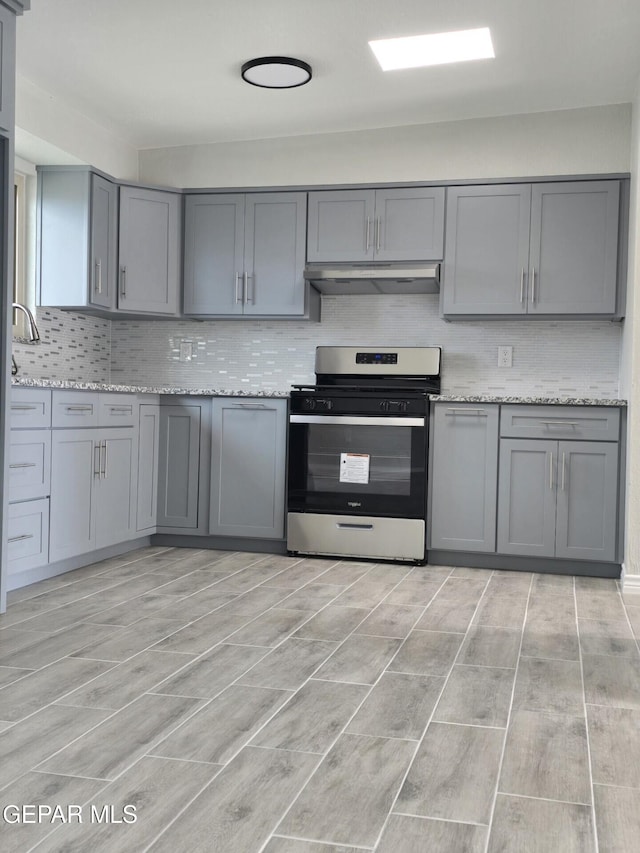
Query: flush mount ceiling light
{"type": "Point", "coordinates": [276, 72]}
{"type": "Point", "coordinates": [435, 49]}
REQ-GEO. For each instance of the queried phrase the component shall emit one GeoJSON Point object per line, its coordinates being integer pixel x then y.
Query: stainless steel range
{"type": "Point", "coordinates": [357, 471]}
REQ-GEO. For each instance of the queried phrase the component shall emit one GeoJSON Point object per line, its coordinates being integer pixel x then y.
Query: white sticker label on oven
{"type": "Point", "coordinates": [354, 467]}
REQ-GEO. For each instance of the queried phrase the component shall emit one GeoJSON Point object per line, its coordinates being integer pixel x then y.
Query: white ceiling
{"type": "Point", "coordinates": [166, 72]}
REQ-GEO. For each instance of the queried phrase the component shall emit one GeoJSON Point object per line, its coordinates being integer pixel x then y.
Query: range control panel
{"type": "Point", "coordinates": [376, 358]}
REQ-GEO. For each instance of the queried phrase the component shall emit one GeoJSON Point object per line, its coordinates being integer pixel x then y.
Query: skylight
{"type": "Point", "coordinates": [434, 49]}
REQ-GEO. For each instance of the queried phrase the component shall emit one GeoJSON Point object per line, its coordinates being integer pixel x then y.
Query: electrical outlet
{"type": "Point", "coordinates": [505, 356]}
{"type": "Point", "coordinates": [186, 350]}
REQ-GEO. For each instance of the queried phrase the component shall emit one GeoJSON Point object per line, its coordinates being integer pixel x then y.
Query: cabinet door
{"type": "Point", "coordinates": [409, 224]}
{"type": "Point", "coordinates": [114, 487]}
{"type": "Point", "coordinates": [214, 254]}
{"type": "Point", "coordinates": [527, 497]}
{"type": "Point", "coordinates": [7, 68]}
{"type": "Point", "coordinates": [487, 250]}
{"type": "Point", "coordinates": [178, 469]}
{"type": "Point", "coordinates": [148, 444]}
{"type": "Point", "coordinates": [574, 248]}
{"type": "Point", "coordinates": [464, 477]}
{"type": "Point", "coordinates": [75, 464]}
{"type": "Point", "coordinates": [149, 274]}
{"type": "Point", "coordinates": [587, 500]}
{"type": "Point", "coordinates": [275, 225]}
{"type": "Point", "coordinates": [248, 468]}
{"type": "Point", "coordinates": [104, 223]}
{"type": "Point", "coordinates": [341, 225]}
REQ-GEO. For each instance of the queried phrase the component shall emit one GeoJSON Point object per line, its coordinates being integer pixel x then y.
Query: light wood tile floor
{"type": "Point", "coordinates": [246, 703]}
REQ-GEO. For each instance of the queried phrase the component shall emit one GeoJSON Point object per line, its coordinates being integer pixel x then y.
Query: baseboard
{"type": "Point", "coordinates": [630, 583]}
{"type": "Point", "coordinates": [221, 543]}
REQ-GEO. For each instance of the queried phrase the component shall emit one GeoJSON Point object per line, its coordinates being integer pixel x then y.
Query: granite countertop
{"type": "Point", "coordinates": [72, 385]}
{"type": "Point", "coordinates": [69, 384]}
{"type": "Point", "coordinates": [539, 401]}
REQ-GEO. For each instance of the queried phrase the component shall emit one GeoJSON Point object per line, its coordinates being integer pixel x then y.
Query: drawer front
{"type": "Point", "coordinates": [30, 408]}
{"type": "Point", "coordinates": [29, 464]}
{"type": "Point", "coordinates": [588, 423]}
{"type": "Point", "coordinates": [75, 408]}
{"type": "Point", "coordinates": [117, 409]}
{"type": "Point", "coordinates": [28, 526]}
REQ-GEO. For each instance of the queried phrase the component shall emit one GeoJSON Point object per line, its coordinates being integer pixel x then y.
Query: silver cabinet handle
{"type": "Point", "coordinates": [378, 228]}
{"type": "Point", "coordinates": [244, 287]}
{"type": "Point", "coordinates": [563, 475]}
{"type": "Point", "coordinates": [98, 281]}
{"type": "Point", "coordinates": [79, 408]}
{"type": "Point", "coordinates": [478, 412]}
{"type": "Point", "coordinates": [22, 465]}
{"type": "Point", "coordinates": [123, 281]}
{"type": "Point", "coordinates": [103, 472]}
{"type": "Point", "coordinates": [96, 463]}
{"type": "Point", "coordinates": [560, 423]}
{"type": "Point", "coordinates": [122, 409]}
{"type": "Point", "coordinates": [16, 408]}
{"type": "Point", "coordinates": [250, 405]}
{"type": "Point", "coordinates": [368, 234]}
{"type": "Point", "coordinates": [551, 470]}
{"type": "Point", "coordinates": [21, 537]}
{"type": "Point", "coordinates": [249, 295]}
{"type": "Point", "coordinates": [343, 525]}
{"type": "Point", "coordinates": [533, 285]}
{"type": "Point", "coordinates": [522, 285]}
{"type": "Point", "coordinates": [238, 293]}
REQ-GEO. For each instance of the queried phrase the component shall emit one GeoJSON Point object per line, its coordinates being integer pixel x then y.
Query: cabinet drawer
{"type": "Point", "coordinates": [75, 409]}
{"type": "Point", "coordinates": [28, 539]}
{"type": "Point", "coordinates": [116, 409]}
{"type": "Point", "coordinates": [588, 423]}
{"type": "Point", "coordinates": [30, 408]}
{"type": "Point", "coordinates": [29, 464]}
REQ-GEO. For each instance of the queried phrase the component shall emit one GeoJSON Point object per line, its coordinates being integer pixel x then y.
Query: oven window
{"type": "Point", "coordinates": [388, 450]}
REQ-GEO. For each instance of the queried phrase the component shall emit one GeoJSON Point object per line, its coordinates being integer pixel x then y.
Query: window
{"type": "Point", "coordinates": [24, 242]}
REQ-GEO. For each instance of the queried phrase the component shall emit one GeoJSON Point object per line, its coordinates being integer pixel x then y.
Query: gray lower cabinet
{"type": "Point", "coordinates": [548, 249]}
{"type": "Point", "coordinates": [463, 477]}
{"type": "Point", "coordinates": [149, 251]}
{"type": "Point", "coordinates": [28, 539]}
{"type": "Point", "coordinates": [403, 224]}
{"type": "Point", "coordinates": [248, 464]}
{"type": "Point", "coordinates": [245, 255]}
{"type": "Point", "coordinates": [148, 448]}
{"type": "Point", "coordinates": [91, 489]}
{"type": "Point", "coordinates": [179, 466]}
{"type": "Point", "coordinates": [558, 499]}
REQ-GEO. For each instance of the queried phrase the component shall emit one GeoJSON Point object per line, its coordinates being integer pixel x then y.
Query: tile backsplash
{"type": "Point", "coordinates": [550, 357]}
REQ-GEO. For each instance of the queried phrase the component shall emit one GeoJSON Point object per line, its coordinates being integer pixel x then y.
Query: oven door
{"type": "Point", "coordinates": [357, 465]}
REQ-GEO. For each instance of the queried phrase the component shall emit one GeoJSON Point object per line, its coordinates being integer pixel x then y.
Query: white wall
{"type": "Point", "coordinates": [630, 360]}
{"type": "Point", "coordinates": [46, 126]}
{"type": "Point", "coordinates": [555, 143]}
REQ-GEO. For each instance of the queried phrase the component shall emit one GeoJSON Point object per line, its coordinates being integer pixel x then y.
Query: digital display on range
{"type": "Point", "coordinates": [376, 358]}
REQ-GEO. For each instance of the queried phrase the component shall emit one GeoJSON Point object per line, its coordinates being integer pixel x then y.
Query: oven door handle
{"type": "Point", "coordinates": [348, 420]}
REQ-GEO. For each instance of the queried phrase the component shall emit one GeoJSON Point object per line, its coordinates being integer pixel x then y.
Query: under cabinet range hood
{"type": "Point", "coordinates": [336, 279]}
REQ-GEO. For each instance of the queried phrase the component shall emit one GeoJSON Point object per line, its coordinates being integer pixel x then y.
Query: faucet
{"type": "Point", "coordinates": [34, 334]}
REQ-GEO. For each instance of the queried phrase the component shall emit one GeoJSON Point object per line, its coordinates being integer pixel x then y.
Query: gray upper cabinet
{"type": "Point", "coordinates": [574, 248]}
{"type": "Point", "coordinates": [248, 463]}
{"type": "Point", "coordinates": [487, 250]}
{"type": "Point", "coordinates": [464, 477]}
{"type": "Point", "coordinates": [77, 220]}
{"type": "Point", "coordinates": [7, 68]}
{"type": "Point", "coordinates": [104, 254]}
{"type": "Point", "coordinates": [405, 224]}
{"type": "Point", "coordinates": [548, 249]}
{"type": "Point", "coordinates": [245, 255]}
{"type": "Point", "coordinates": [149, 251]}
